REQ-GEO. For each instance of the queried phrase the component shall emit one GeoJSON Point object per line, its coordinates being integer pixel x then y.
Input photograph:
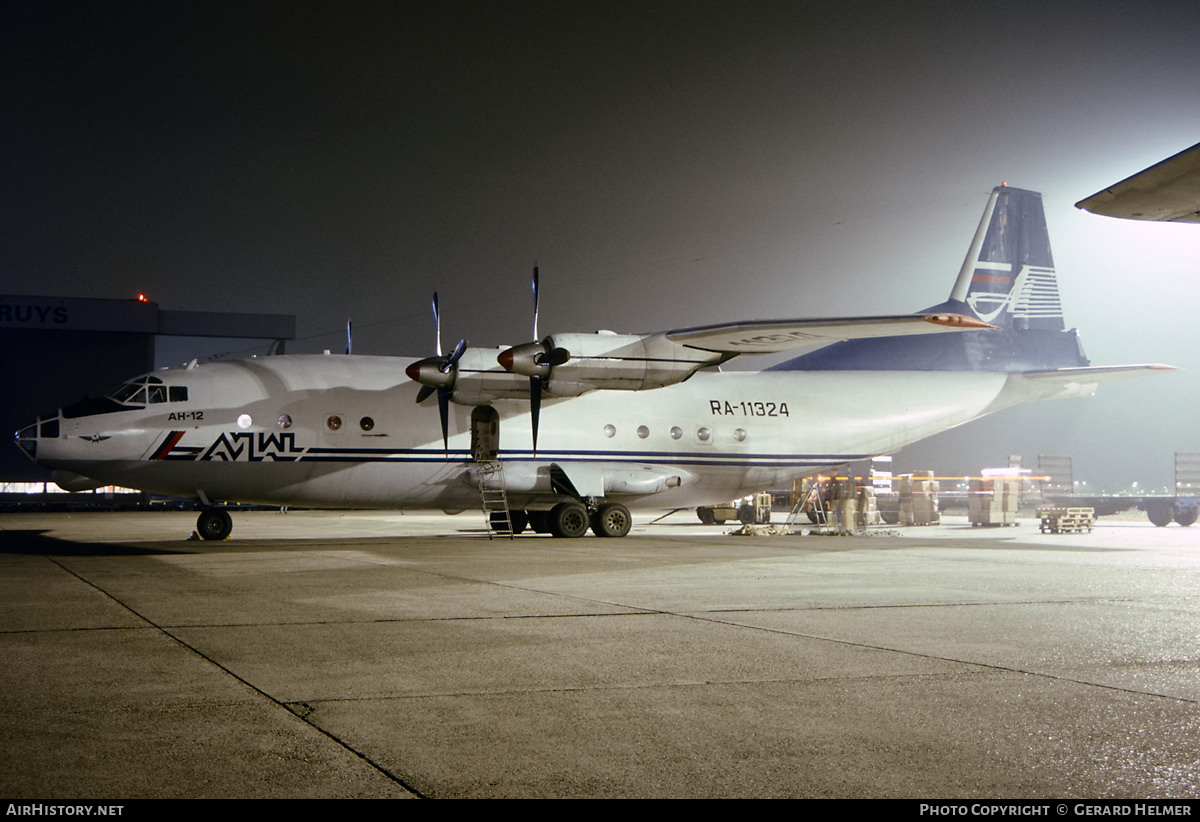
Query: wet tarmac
{"type": "Point", "coordinates": [375, 654]}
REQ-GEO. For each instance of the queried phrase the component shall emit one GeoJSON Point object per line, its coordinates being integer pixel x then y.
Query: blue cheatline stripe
{"type": "Point", "coordinates": [414, 455]}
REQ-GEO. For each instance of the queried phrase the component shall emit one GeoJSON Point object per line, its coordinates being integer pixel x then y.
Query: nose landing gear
{"type": "Point", "coordinates": [214, 523]}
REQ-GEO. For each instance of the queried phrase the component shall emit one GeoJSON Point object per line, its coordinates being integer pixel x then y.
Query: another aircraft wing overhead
{"type": "Point", "coordinates": [1168, 191]}
{"type": "Point", "coordinates": [771, 336]}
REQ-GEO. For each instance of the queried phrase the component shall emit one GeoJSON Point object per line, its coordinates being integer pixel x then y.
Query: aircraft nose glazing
{"type": "Point", "coordinates": [26, 439]}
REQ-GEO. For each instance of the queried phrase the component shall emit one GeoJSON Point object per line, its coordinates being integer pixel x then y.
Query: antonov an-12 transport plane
{"type": "Point", "coordinates": [574, 430]}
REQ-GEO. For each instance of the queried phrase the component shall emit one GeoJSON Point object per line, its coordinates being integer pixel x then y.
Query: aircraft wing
{"type": "Point", "coordinates": [772, 336]}
{"type": "Point", "coordinates": [1167, 191]}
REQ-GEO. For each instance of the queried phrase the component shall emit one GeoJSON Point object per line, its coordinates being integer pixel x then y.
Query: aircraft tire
{"type": "Point", "coordinates": [568, 519]}
{"type": "Point", "coordinates": [612, 520]}
{"type": "Point", "coordinates": [1186, 516]}
{"type": "Point", "coordinates": [539, 521]}
{"type": "Point", "coordinates": [214, 523]}
{"type": "Point", "coordinates": [519, 521]}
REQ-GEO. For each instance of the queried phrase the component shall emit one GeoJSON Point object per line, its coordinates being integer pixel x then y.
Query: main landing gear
{"type": "Point", "coordinates": [572, 519]}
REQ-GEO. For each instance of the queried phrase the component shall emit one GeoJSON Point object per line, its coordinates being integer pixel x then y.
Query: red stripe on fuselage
{"type": "Point", "coordinates": [168, 446]}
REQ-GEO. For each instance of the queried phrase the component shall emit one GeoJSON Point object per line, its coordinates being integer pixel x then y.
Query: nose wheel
{"type": "Point", "coordinates": [214, 523]}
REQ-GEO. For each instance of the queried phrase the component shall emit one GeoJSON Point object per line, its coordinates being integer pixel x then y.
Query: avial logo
{"type": "Point", "coordinates": [248, 446]}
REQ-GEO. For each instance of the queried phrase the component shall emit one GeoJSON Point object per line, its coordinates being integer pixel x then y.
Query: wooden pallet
{"type": "Point", "coordinates": [1066, 520]}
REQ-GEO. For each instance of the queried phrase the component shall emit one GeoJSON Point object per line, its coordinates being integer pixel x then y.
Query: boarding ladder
{"type": "Point", "coordinates": [818, 507]}
{"type": "Point", "coordinates": [496, 514]}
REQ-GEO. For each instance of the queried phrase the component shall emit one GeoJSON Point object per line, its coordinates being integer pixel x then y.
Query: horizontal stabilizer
{"type": "Point", "coordinates": [771, 336]}
{"type": "Point", "coordinates": [1103, 373]}
{"type": "Point", "coordinates": [1076, 382]}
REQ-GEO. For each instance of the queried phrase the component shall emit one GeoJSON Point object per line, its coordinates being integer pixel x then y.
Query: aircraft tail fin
{"type": "Point", "coordinates": [1008, 280]}
{"type": "Point", "coordinates": [1008, 277]}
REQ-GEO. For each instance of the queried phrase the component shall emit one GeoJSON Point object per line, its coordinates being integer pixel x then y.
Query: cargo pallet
{"type": "Point", "coordinates": [1066, 520]}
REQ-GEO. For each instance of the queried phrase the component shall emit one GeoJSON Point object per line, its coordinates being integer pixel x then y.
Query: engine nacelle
{"type": "Point", "coordinates": [568, 365]}
{"type": "Point", "coordinates": [573, 364]}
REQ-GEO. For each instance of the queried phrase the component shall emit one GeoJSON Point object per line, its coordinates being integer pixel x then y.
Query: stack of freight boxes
{"type": "Point", "coordinates": [918, 499]}
{"type": "Point", "coordinates": [868, 511]}
{"type": "Point", "coordinates": [993, 501]}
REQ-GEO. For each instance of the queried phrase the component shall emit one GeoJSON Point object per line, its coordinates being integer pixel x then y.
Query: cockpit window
{"type": "Point", "coordinates": [148, 390]}
{"type": "Point", "coordinates": [130, 394]}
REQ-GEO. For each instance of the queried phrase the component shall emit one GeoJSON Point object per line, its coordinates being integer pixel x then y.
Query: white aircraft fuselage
{"type": "Point", "coordinates": [344, 431]}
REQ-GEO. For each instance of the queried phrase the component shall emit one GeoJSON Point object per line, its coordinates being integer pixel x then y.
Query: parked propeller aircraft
{"type": "Point", "coordinates": [573, 430]}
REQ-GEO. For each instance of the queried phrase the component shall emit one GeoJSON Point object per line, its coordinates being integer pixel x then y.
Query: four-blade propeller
{"type": "Point", "coordinates": [438, 373]}
{"type": "Point", "coordinates": [534, 360]}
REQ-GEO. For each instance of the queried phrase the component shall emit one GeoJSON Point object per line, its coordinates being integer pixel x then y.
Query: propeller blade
{"type": "Point", "coordinates": [455, 357]}
{"type": "Point", "coordinates": [424, 393]}
{"type": "Point", "coordinates": [535, 407]}
{"type": "Point", "coordinates": [555, 356]}
{"type": "Point", "coordinates": [444, 410]}
{"type": "Point", "coordinates": [437, 328]}
{"type": "Point", "coordinates": [535, 302]}
{"type": "Point", "coordinates": [349, 346]}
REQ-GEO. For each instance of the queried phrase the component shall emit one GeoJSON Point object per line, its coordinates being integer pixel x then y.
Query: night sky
{"type": "Point", "coordinates": [665, 164]}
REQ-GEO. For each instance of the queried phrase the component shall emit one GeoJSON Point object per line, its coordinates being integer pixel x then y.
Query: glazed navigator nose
{"type": "Point", "coordinates": [27, 438]}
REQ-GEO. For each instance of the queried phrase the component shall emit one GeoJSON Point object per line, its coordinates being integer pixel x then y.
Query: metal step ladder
{"type": "Point", "coordinates": [496, 514]}
{"type": "Point", "coordinates": [818, 507]}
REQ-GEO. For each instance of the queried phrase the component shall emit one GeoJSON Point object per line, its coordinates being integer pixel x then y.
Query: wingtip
{"type": "Point", "coordinates": [959, 321]}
